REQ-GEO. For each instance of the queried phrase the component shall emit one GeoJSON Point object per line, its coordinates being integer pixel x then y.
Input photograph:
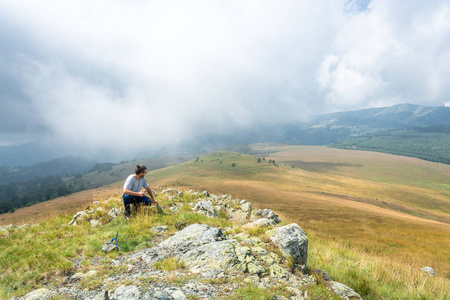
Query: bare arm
{"type": "Point", "coordinates": [137, 194]}
{"type": "Point", "coordinates": [150, 193]}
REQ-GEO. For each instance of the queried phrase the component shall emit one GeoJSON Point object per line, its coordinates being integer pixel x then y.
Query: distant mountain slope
{"type": "Point", "coordinates": [426, 142]}
{"type": "Point", "coordinates": [61, 166]}
{"type": "Point", "coordinates": [27, 154]}
{"type": "Point", "coordinates": [17, 194]}
{"type": "Point", "coordinates": [397, 115]}
{"type": "Point", "coordinates": [330, 128]}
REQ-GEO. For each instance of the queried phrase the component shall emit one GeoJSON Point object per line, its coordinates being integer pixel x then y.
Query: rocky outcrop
{"type": "Point", "coordinates": [6, 230]}
{"type": "Point", "coordinates": [293, 243]}
{"type": "Point", "coordinates": [207, 208]}
{"type": "Point", "coordinates": [232, 256]}
{"type": "Point", "coordinates": [97, 216]}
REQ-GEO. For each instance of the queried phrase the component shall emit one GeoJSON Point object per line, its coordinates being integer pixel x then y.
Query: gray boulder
{"type": "Point", "coordinates": [337, 288]}
{"type": "Point", "coordinates": [343, 291]}
{"type": "Point", "coordinates": [81, 215]}
{"type": "Point", "coordinates": [115, 212]}
{"type": "Point", "coordinates": [246, 206]}
{"type": "Point", "coordinates": [192, 236]}
{"type": "Point", "coordinates": [293, 243]}
{"type": "Point", "coordinates": [268, 214]}
{"type": "Point", "coordinates": [160, 229]}
{"type": "Point", "coordinates": [263, 222]}
{"type": "Point", "coordinates": [38, 294]}
{"type": "Point", "coordinates": [109, 246]}
{"type": "Point", "coordinates": [215, 258]}
{"type": "Point", "coordinates": [126, 292]}
{"type": "Point", "coordinates": [207, 208]}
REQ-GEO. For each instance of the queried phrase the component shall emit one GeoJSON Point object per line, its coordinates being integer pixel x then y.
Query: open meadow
{"type": "Point", "coordinates": [373, 219]}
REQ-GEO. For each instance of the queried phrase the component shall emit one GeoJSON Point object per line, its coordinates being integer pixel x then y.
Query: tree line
{"type": "Point", "coordinates": [15, 195]}
{"type": "Point", "coordinates": [430, 143]}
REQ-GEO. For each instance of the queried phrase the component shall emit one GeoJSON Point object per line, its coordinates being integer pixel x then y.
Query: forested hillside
{"type": "Point", "coordinates": [63, 167]}
{"type": "Point", "coordinates": [426, 142]}
{"type": "Point", "coordinates": [17, 194]}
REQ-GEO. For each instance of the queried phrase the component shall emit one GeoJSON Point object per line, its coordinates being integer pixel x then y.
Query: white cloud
{"type": "Point", "coordinates": [97, 73]}
{"type": "Point", "coordinates": [391, 51]}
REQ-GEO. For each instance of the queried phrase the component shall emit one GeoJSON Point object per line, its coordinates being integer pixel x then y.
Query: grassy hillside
{"type": "Point", "coordinates": [373, 219]}
{"type": "Point", "coordinates": [386, 205]}
{"type": "Point", "coordinates": [48, 255]}
{"type": "Point", "coordinates": [112, 173]}
{"type": "Point", "coordinates": [14, 195]}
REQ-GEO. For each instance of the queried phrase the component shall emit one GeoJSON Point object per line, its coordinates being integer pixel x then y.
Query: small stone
{"type": "Point", "coordinates": [429, 270]}
{"type": "Point", "coordinates": [343, 291]}
{"type": "Point", "coordinates": [178, 295]}
{"type": "Point", "coordinates": [115, 212]}
{"type": "Point", "coordinates": [263, 222]}
{"type": "Point", "coordinates": [246, 207]}
{"type": "Point", "coordinates": [160, 229]}
{"type": "Point", "coordinates": [108, 247]}
{"type": "Point", "coordinates": [95, 223]}
{"type": "Point", "coordinates": [127, 292]}
{"type": "Point", "coordinates": [207, 208]}
{"type": "Point", "coordinates": [38, 294]}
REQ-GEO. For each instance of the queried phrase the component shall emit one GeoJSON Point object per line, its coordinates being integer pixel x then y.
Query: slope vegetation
{"type": "Point", "coordinates": [391, 206]}
{"type": "Point", "coordinates": [373, 219]}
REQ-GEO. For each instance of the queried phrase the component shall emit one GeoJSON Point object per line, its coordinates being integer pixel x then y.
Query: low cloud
{"type": "Point", "coordinates": [122, 77]}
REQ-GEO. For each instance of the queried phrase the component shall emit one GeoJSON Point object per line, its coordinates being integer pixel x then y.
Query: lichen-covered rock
{"type": "Point", "coordinates": [170, 191]}
{"type": "Point", "coordinates": [160, 229]}
{"type": "Point", "coordinates": [109, 246]}
{"type": "Point", "coordinates": [268, 214]}
{"type": "Point", "coordinates": [246, 206]}
{"type": "Point", "coordinates": [79, 275]}
{"type": "Point", "coordinates": [268, 257]}
{"type": "Point", "coordinates": [38, 294]}
{"type": "Point", "coordinates": [242, 214]}
{"type": "Point", "coordinates": [192, 236]}
{"type": "Point", "coordinates": [263, 222]}
{"type": "Point", "coordinates": [337, 288]}
{"type": "Point", "coordinates": [215, 258]}
{"type": "Point", "coordinates": [343, 291]}
{"type": "Point", "coordinates": [293, 243]}
{"type": "Point", "coordinates": [79, 216]}
{"type": "Point", "coordinates": [4, 232]}
{"type": "Point", "coordinates": [206, 207]}
{"type": "Point", "coordinates": [126, 293]}
{"type": "Point", "coordinates": [95, 223]}
{"type": "Point", "coordinates": [115, 212]}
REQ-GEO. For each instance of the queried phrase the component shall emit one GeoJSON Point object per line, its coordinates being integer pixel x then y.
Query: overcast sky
{"type": "Point", "coordinates": [101, 75]}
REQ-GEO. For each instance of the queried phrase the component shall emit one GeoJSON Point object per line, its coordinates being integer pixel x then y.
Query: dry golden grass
{"type": "Point", "coordinates": [387, 206]}
{"type": "Point", "coordinates": [63, 205]}
{"type": "Point", "coordinates": [362, 199]}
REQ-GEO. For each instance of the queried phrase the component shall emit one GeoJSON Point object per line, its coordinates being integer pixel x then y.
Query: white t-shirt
{"type": "Point", "coordinates": [135, 185]}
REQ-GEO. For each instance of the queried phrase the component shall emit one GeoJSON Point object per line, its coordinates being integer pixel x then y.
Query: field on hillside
{"type": "Point", "coordinates": [390, 206]}
{"type": "Point", "coordinates": [360, 208]}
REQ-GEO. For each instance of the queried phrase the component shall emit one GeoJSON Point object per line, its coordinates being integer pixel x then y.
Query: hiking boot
{"type": "Point", "coordinates": [127, 215]}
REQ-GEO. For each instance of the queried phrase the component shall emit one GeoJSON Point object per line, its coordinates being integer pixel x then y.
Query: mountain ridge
{"type": "Point", "coordinates": [320, 130]}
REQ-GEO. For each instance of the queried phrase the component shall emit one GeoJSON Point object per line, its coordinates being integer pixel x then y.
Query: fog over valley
{"type": "Point", "coordinates": [115, 80]}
